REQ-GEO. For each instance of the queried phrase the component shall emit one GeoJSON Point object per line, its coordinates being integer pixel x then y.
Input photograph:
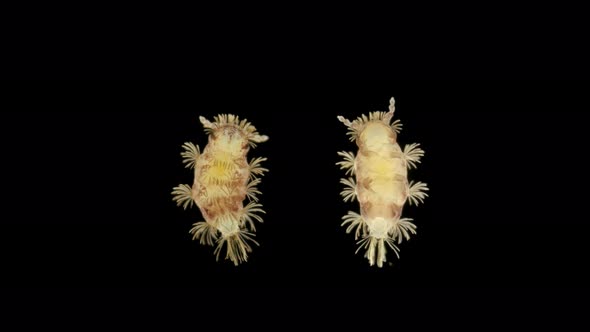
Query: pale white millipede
{"type": "Point", "coordinates": [379, 181]}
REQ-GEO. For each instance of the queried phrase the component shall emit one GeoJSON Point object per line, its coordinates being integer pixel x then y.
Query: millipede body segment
{"type": "Point", "coordinates": [223, 180]}
{"type": "Point", "coordinates": [379, 181]}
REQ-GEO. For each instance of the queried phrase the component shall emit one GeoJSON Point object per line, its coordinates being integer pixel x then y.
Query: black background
{"type": "Point", "coordinates": [88, 169]}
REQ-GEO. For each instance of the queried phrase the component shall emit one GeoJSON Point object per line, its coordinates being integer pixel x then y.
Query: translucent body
{"type": "Point", "coordinates": [221, 176]}
{"type": "Point", "coordinates": [381, 176]}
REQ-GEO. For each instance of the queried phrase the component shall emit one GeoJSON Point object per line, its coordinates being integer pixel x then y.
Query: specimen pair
{"type": "Point", "coordinates": [223, 179]}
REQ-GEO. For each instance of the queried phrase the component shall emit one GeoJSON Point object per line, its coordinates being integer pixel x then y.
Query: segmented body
{"type": "Point", "coordinates": [223, 179]}
{"type": "Point", "coordinates": [380, 184]}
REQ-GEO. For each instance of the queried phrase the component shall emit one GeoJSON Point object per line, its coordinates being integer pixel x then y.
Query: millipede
{"type": "Point", "coordinates": [223, 180]}
{"type": "Point", "coordinates": [378, 179]}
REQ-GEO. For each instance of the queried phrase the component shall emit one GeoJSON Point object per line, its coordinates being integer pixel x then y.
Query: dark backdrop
{"type": "Point", "coordinates": [88, 170]}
